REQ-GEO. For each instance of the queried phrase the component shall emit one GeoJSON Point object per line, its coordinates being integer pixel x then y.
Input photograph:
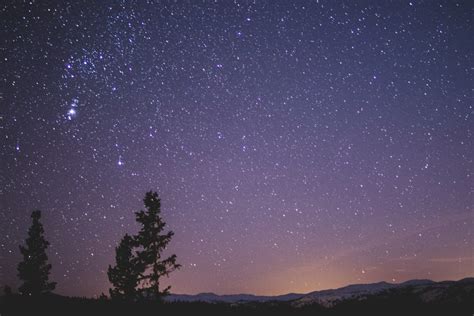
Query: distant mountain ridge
{"type": "Point", "coordinates": [427, 290]}
{"type": "Point", "coordinates": [231, 298]}
{"type": "Point", "coordinates": [330, 297]}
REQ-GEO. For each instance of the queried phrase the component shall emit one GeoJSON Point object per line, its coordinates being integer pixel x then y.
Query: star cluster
{"type": "Point", "coordinates": [296, 145]}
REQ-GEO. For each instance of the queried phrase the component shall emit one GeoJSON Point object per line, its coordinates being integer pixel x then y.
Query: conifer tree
{"type": "Point", "coordinates": [34, 270]}
{"type": "Point", "coordinates": [151, 242]}
{"type": "Point", "coordinates": [124, 276]}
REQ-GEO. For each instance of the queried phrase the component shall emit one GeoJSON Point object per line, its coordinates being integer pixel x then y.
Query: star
{"type": "Point", "coordinates": [71, 113]}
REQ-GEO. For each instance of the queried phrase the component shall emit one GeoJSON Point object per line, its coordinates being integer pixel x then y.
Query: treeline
{"type": "Point", "coordinates": [388, 305]}
{"type": "Point", "coordinates": [138, 268]}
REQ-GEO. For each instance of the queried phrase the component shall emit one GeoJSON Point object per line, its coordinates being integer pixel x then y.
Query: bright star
{"type": "Point", "coordinates": [71, 114]}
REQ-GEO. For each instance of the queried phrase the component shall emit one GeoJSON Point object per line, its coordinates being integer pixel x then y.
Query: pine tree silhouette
{"type": "Point", "coordinates": [34, 269]}
{"type": "Point", "coordinates": [124, 276]}
{"type": "Point", "coordinates": [151, 243]}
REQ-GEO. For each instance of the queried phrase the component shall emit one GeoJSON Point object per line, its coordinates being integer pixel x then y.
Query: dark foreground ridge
{"type": "Point", "coordinates": [417, 297]}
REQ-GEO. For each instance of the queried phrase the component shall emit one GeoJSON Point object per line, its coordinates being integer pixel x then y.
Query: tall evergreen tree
{"type": "Point", "coordinates": [151, 242]}
{"type": "Point", "coordinates": [124, 276]}
{"type": "Point", "coordinates": [34, 269]}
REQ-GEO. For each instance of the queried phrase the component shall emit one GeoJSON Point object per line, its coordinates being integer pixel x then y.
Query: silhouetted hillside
{"type": "Point", "coordinates": [410, 298]}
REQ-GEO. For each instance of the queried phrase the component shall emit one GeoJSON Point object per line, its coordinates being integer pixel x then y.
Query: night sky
{"type": "Point", "coordinates": [296, 145]}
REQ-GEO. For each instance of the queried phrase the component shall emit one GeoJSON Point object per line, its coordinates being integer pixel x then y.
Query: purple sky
{"type": "Point", "coordinates": [296, 145]}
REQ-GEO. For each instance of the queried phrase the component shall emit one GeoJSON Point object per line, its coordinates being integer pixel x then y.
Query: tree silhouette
{"type": "Point", "coordinates": [151, 243]}
{"type": "Point", "coordinates": [124, 276]}
{"type": "Point", "coordinates": [34, 269]}
{"type": "Point", "coordinates": [139, 264]}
